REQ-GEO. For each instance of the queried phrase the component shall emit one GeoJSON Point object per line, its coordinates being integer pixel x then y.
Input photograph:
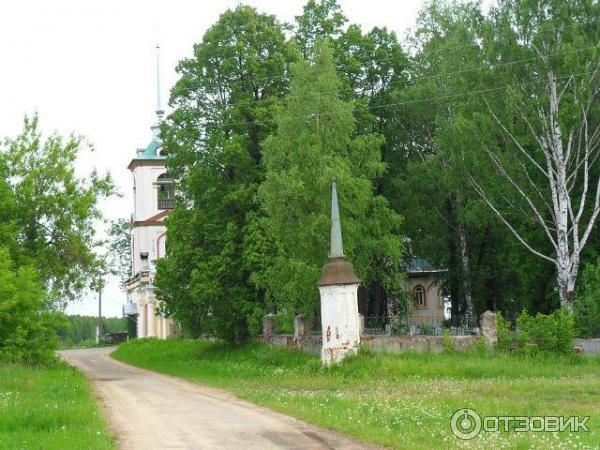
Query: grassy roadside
{"type": "Point", "coordinates": [400, 401]}
{"type": "Point", "coordinates": [49, 407]}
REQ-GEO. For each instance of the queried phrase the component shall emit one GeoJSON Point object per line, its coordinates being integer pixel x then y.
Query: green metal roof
{"type": "Point", "coordinates": [416, 264]}
{"type": "Point", "coordinates": [151, 151]}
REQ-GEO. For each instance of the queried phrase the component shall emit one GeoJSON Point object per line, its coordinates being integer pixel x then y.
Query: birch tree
{"type": "Point", "coordinates": [547, 136]}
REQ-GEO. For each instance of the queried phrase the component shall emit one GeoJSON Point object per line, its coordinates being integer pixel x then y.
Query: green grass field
{"type": "Point", "coordinates": [400, 401]}
{"type": "Point", "coordinates": [49, 408]}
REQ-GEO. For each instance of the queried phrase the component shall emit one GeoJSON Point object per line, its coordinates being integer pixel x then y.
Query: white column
{"type": "Point", "coordinates": [140, 322]}
{"type": "Point", "coordinates": [151, 319]}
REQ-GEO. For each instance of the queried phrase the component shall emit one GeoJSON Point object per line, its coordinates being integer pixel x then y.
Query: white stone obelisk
{"type": "Point", "coordinates": [338, 287]}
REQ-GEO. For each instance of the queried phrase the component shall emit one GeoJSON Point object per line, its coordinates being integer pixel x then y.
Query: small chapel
{"type": "Point", "coordinates": [153, 196]}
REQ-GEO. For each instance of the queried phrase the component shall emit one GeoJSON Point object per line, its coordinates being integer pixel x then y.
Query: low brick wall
{"type": "Point", "coordinates": [309, 343]}
{"type": "Point", "coordinates": [587, 346]}
{"type": "Point", "coordinates": [419, 344]}
{"type": "Point", "coordinates": [399, 344]}
{"type": "Point", "coordinates": [306, 341]}
{"type": "Point", "coordinates": [377, 344]}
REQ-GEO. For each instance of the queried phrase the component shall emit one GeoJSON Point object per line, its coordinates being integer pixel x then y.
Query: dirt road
{"type": "Point", "coordinates": [147, 410]}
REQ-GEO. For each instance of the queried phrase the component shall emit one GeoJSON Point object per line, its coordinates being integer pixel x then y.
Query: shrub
{"type": "Point", "coordinates": [587, 302]}
{"type": "Point", "coordinates": [427, 330]}
{"type": "Point", "coordinates": [447, 341]}
{"type": "Point", "coordinates": [480, 347]}
{"type": "Point", "coordinates": [541, 333]}
{"type": "Point", "coordinates": [400, 329]}
{"type": "Point", "coordinates": [27, 326]}
{"type": "Point", "coordinates": [506, 337]}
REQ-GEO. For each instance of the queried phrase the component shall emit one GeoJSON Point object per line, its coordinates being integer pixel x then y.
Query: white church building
{"type": "Point", "coordinates": [153, 194]}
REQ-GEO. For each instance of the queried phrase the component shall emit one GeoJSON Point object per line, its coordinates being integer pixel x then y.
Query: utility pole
{"type": "Point", "coordinates": [99, 323]}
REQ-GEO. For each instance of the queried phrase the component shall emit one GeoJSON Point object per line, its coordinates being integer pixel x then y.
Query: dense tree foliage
{"type": "Point", "coordinates": [316, 140]}
{"type": "Point", "coordinates": [434, 130]}
{"type": "Point", "coordinates": [53, 211]}
{"type": "Point", "coordinates": [224, 105]}
{"type": "Point", "coordinates": [481, 73]}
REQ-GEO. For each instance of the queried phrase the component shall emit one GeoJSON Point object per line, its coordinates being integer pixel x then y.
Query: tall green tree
{"type": "Point", "coordinates": [315, 140]}
{"type": "Point", "coordinates": [47, 234]}
{"type": "Point", "coordinates": [371, 67]}
{"type": "Point", "coordinates": [319, 20]}
{"type": "Point", "coordinates": [472, 75]}
{"type": "Point", "coordinates": [223, 107]}
{"type": "Point", "coordinates": [550, 137]}
{"type": "Point", "coordinates": [435, 114]}
{"type": "Point", "coordinates": [53, 214]}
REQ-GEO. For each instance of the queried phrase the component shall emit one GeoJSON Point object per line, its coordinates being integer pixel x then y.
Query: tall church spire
{"type": "Point", "coordinates": [159, 110]}
{"type": "Point", "coordinates": [336, 246]}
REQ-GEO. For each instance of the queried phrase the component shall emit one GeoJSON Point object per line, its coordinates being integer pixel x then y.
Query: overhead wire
{"type": "Point", "coordinates": [427, 77]}
{"type": "Point", "coordinates": [413, 101]}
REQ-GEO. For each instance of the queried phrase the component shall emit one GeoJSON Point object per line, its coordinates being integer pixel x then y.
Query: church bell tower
{"type": "Point", "coordinates": [153, 193]}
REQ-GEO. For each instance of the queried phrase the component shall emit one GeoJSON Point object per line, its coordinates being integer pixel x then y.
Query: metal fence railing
{"type": "Point", "coordinates": [412, 327]}
{"type": "Point", "coordinates": [372, 325]}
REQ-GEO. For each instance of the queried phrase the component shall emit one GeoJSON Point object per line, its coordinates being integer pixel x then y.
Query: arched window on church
{"type": "Point", "coordinates": [166, 191]}
{"type": "Point", "coordinates": [419, 297]}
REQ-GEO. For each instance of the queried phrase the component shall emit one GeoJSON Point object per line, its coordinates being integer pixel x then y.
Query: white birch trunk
{"type": "Point", "coordinates": [567, 154]}
{"type": "Point", "coordinates": [464, 256]}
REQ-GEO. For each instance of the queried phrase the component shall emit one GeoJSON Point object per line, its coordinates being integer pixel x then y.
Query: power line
{"type": "Point", "coordinates": [448, 74]}
{"type": "Point", "coordinates": [445, 49]}
{"type": "Point", "coordinates": [405, 55]}
{"type": "Point", "coordinates": [429, 77]}
{"type": "Point", "coordinates": [410, 102]}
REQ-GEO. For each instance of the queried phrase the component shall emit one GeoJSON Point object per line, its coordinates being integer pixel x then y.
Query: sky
{"type": "Point", "coordinates": [88, 67]}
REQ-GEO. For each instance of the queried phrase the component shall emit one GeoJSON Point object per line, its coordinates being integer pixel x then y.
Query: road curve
{"type": "Point", "coordinates": [147, 410]}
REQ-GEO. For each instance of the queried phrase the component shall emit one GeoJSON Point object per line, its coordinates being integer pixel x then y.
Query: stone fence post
{"type": "Point", "coordinates": [489, 328]}
{"type": "Point", "coordinates": [302, 325]}
{"type": "Point", "coordinates": [268, 326]}
{"type": "Point", "coordinates": [361, 324]}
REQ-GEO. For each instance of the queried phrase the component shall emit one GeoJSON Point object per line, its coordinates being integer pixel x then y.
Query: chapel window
{"type": "Point", "coordinates": [419, 296]}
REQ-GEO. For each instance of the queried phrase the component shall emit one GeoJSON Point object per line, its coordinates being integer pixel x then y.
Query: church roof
{"type": "Point", "coordinates": [151, 151]}
{"type": "Point", "coordinates": [415, 264]}
{"type": "Point", "coordinates": [149, 155]}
